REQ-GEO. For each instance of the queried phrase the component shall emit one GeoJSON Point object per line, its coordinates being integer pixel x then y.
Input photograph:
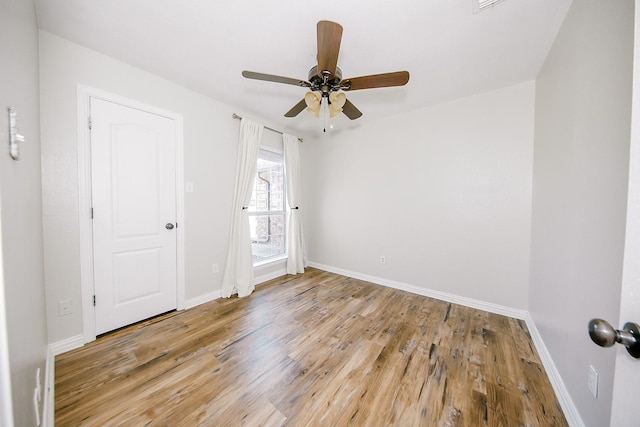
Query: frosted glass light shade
{"type": "Point", "coordinates": [313, 101]}
{"type": "Point", "coordinates": [337, 100]}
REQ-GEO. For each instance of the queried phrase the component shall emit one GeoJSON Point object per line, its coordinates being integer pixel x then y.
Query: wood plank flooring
{"type": "Point", "coordinates": [317, 349]}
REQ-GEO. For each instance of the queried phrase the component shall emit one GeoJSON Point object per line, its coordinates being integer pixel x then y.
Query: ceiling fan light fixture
{"type": "Point", "coordinates": [314, 102]}
{"type": "Point", "coordinates": [336, 102]}
{"type": "Point", "coordinates": [325, 78]}
{"type": "Point", "coordinates": [338, 99]}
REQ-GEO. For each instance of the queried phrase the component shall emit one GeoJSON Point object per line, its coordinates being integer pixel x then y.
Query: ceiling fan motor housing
{"type": "Point", "coordinates": [325, 82]}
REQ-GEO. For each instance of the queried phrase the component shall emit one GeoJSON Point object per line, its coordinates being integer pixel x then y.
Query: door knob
{"type": "Point", "coordinates": [169, 226]}
{"type": "Point", "coordinates": [603, 334]}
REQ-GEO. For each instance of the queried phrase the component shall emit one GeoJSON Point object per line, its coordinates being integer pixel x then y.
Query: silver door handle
{"type": "Point", "coordinates": [169, 226]}
{"type": "Point", "coordinates": [605, 335]}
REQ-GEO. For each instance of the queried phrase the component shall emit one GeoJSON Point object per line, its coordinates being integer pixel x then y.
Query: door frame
{"type": "Point", "coordinates": [625, 380]}
{"type": "Point", "coordinates": [84, 95]}
{"type": "Point", "coordinates": [6, 401]}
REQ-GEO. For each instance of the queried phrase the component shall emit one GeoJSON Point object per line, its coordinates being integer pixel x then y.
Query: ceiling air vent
{"type": "Point", "coordinates": [480, 5]}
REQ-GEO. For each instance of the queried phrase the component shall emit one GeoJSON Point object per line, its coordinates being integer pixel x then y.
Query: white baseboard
{"type": "Point", "coordinates": [274, 274]}
{"type": "Point", "coordinates": [53, 350]}
{"type": "Point", "coordinates": [443, 296]}
{"type": "Point", "coordinates": [192, 302]}
{"type": "Point", "coordinates": [564, 398]}
{"type": "Point", "coordinates": [67, 344]}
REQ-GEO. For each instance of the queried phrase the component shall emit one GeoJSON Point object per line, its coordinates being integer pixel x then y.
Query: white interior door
{"type": "Point", "coordinates": [626, 386]}
{"type": "Point", "coordinates": [133, 177]}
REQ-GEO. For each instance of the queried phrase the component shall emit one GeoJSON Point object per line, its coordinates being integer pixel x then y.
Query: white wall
{"type": "Point", "coordinates": [21, 206]}
{"type": "Point", "coordinates": [210, 141]}
{"type": "Point", "coordinates": [443, 193]}
{"type": "Point", "coordinates": [582, 137]}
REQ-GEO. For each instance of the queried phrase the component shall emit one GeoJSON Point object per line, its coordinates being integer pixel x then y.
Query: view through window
{"type": "Point", "coordinates": [267, 209]}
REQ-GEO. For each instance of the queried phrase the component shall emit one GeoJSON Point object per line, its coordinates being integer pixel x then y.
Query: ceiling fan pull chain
{"type": "Point", "coordinates": [324, 115]}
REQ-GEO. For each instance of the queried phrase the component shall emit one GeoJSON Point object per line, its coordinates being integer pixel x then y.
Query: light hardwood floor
{"type": "Point", "coordinates": [307, 350]}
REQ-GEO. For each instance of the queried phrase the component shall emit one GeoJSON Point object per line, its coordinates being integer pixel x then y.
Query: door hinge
{"type": "Point", "coordinates": [94, 300]}
{"type": "Point", "coordinates": [91, 213]}
{"type": "Point", "coordinates": [90, 123]}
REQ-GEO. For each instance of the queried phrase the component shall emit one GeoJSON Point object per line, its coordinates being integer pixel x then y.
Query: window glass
{"type": "Point", "coordinates": [267, 209]}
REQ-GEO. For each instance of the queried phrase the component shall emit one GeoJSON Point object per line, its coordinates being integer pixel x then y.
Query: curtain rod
{"type": "Point", "coordinates": [235, 116]}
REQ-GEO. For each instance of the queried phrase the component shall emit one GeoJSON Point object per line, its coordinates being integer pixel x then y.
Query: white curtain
{"type": "Point", "coordinates": [238, 272]}
{"type": "Point", "coordinates": [295, 244]}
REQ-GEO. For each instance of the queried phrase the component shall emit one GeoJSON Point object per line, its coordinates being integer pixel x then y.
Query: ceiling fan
{"type": "Point", "coordinates": [325, 79]}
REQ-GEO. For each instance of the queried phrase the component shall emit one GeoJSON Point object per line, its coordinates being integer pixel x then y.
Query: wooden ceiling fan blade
{"type": "Point", "coordinates": [350, 110]}
{"type": "Point", "coordinates": [274, 78]}
{"type": "Point", "coordinates": [297, 109]}
{"type": "Point", "coordinates": [398, 78]}
{"type": "Point", "coordinates": [329, 38]}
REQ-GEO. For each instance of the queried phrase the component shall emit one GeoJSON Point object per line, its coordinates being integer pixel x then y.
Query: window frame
{"type": "Point", "coordinates": [255, 213]}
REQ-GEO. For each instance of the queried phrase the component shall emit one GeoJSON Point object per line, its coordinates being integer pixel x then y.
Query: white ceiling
{"type": "Point", "coordinates": [205, 44]}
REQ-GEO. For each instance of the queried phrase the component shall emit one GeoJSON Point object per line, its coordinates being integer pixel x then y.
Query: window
{"type": "Point", "coordinates": [267, 209]}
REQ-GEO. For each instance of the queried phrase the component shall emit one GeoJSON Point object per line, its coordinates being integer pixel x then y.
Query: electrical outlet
{"type": "Point", "coordinates": [593, 381]}
{"type": "Point", "coordinates": [64, 307]}
{"type": "Point", "coordinates": [214, 269]}
{"type": "Point", "coordinates": [383, 259]}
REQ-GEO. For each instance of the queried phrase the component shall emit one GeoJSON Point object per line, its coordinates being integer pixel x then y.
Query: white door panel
{"type": "Point", "coordinates": [133, 192]}
{"type": "Point", "coordinates": [626, 386]}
